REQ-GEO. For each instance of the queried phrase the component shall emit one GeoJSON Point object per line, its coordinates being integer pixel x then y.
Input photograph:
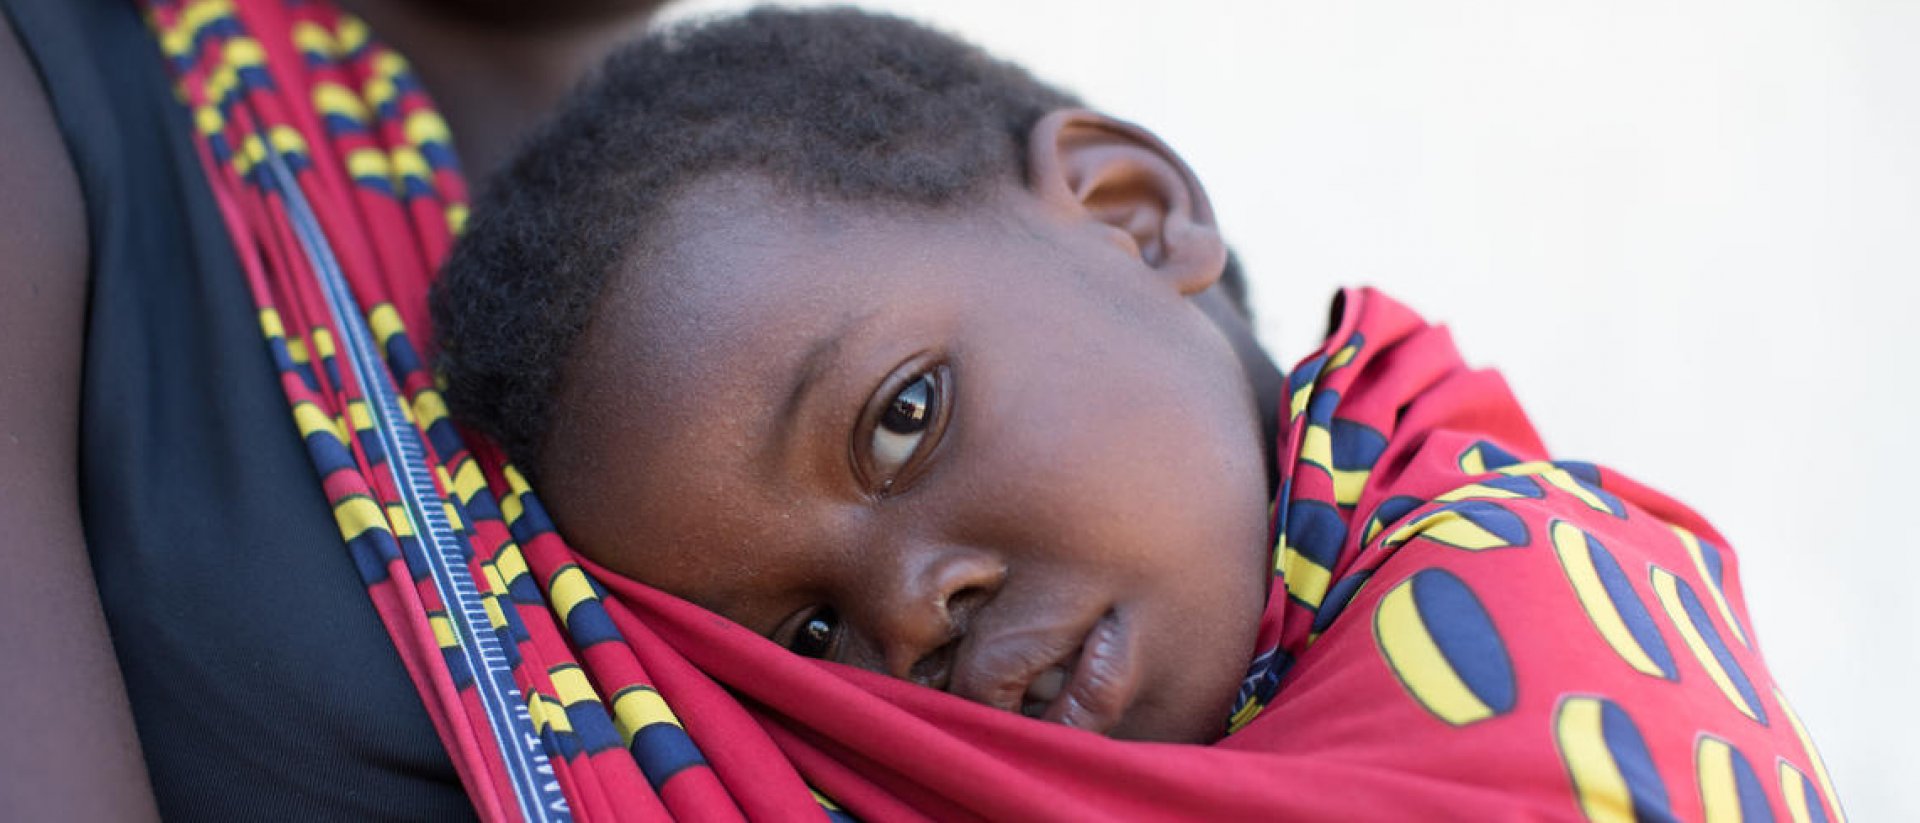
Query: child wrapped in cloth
{"type": "Point", "coordinates": [920, 457]}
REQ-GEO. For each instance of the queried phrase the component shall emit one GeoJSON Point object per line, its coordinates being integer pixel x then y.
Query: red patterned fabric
{"type": "Point", "coordinates": [1458, 627]}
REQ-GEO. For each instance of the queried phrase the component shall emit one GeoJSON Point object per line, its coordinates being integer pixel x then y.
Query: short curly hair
{"type": "Point", "coordinates": [845, 104]}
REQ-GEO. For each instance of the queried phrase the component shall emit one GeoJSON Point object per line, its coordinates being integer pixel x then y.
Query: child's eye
{"type": "Point", "coordinates": [904, 428]}
{"type": "Point", "coordinates": [902, 424]}
{"type": "Point", "coordinates": [815, 636]}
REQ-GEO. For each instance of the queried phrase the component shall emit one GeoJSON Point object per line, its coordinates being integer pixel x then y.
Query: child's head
{"type": "Point", "coordinates": [880, 348]}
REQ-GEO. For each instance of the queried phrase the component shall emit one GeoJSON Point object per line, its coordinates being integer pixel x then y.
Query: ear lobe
{"type": "Point", "coordinates": [1118, 174]}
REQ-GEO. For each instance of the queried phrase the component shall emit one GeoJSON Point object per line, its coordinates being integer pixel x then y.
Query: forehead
{"type": "Point", "coordinates": [742, 279]}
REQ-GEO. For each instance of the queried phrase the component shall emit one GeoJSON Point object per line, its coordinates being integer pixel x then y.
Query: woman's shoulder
{"type": "Point", "coordinates": [60, 662]}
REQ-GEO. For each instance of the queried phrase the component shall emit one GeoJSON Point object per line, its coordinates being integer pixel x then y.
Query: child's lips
{"type": "Point", "coordinates": [1085, 679]}
{"type": "Point", "coordinates": [1101, 687]}
{"type": "Point", "coordinates": [1000, 665]}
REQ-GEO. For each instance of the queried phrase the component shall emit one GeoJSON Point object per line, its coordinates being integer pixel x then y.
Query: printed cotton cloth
{"type": "Point", "coordinates": [1459, 627]}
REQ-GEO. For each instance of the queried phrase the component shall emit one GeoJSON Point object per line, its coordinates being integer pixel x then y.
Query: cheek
{"type": "Point", "coordinates": [1201, 605]}
{"type": "Point", "coordinates": [1128, 436]}
{"type": "Point", "coordinates": [1148, 462]}
{"type": "Point", "coordinates": [1209, 567]}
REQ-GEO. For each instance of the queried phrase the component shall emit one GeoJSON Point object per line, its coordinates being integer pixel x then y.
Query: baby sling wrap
{"type": "Point", "coordinates": [1457, 627]}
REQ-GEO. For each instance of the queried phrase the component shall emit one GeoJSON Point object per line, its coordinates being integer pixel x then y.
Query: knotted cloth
{"type": "Point", "coordinates": [1458, 627]}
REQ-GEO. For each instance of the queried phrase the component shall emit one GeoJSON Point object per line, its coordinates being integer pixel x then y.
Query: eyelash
{"type": "Point", "coordinates": [938, 403]}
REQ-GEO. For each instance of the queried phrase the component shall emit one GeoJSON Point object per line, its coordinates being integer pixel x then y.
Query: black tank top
{"type": "Point", "coordinates": [263, 684]}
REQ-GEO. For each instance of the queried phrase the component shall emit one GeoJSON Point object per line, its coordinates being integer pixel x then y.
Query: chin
{"type": "Point", "coordinates": [1193, 723]}
{"type": "Point", "coordinates": [1197, 708]}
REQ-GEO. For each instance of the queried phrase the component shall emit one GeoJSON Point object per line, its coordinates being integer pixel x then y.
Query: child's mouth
{"type": "Point", "coordinates": [1046, 688]}
{"type": "Point", "coordinates": [1090, 688]}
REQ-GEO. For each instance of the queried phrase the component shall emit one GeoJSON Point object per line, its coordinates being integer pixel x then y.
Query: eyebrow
{"type": "Point", "coordinates": [812, 367]}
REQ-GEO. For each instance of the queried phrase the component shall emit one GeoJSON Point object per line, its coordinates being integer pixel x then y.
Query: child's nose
{"type": "Point", "coordinates": [934, 595]}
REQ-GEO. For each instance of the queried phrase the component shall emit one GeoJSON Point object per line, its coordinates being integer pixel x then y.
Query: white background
{"type": "Point", "coordinates": [1687, 232]}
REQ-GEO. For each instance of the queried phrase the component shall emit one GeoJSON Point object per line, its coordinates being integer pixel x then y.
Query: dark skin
{"type": "Point", "coordinates": [72, 753]}
{"type": "Point", "coordinates": [1006, 449]}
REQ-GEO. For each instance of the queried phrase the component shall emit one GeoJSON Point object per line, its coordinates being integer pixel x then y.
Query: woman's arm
{"type": "Point", "coordinates": [70, 752]}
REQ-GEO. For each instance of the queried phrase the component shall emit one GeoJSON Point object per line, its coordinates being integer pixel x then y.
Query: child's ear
{"type": "Point", "coordinates": [1121, 175]}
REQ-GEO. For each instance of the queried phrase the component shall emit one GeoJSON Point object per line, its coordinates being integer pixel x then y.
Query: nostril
{"type": "Point", "coordinates": [943, 589]}
{"type": "Point", "coordinates": [936, 669]}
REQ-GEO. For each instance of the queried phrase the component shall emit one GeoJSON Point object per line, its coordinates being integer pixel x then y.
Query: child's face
{"type": "Point", "coordinates": [987, 449]}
